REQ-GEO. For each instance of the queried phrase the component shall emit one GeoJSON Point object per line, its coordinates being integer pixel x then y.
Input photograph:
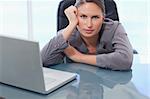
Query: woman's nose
{"type": "Point", "coordinates": [89, 23]}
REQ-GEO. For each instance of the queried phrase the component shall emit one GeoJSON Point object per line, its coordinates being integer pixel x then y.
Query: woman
{"type": "Point", "coordinates": [90, 38]}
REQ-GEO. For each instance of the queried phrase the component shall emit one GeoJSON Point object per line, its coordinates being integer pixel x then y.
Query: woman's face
{"type": "Point", "coordinates": [90, 19]}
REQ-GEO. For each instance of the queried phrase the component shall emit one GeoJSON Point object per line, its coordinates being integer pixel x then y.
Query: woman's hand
{"type": "Point", "coordinates": [73, 54]}
{"type": "Point", "coordinates": [71, 13]}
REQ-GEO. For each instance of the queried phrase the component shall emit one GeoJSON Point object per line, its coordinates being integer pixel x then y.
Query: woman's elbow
{"type": "Point", "coordinates": [126, 62]}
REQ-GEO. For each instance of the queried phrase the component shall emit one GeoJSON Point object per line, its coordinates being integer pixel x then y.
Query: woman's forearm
{"type": "Point", "coordinates": [68, 31]}
{"type": "Point", "coordinates": [77, 56]}
{"type": "Point", "coordinates": [71, 13]}
{"type": "Point", "coordinates": [88, 59]}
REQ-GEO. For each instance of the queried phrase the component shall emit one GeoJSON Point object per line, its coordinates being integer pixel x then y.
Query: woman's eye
{"type": "Point", "coordinates": [83, 16]}
{"type": "Point", "coordinates": [95, 17]}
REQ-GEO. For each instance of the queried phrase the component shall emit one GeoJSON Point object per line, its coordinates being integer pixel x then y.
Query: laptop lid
{"type": "Point", "coordinates": [21, 66]}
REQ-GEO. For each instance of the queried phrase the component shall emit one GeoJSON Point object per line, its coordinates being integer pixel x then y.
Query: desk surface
{"type": "Point", "coordinates": [93, 83]}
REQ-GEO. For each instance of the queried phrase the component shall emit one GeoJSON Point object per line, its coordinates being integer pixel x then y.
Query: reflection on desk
{"type": "Point", "coordinates": [91, 83]}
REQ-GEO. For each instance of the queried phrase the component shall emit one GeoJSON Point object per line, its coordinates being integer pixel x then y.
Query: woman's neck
{"type": "Point", "coordinates": [90, 42]}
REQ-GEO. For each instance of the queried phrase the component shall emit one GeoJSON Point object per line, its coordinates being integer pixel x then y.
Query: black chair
{"type": "Point", "coordinates": [110, 11]}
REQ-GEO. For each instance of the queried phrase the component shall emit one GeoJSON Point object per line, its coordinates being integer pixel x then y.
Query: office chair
{"type": "Point", "coordinates": [110, 11]}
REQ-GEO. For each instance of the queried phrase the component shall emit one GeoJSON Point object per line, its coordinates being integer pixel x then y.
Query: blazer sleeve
{"type": "Point", "coordinates": [52, 52]}
{"type": "Point", "coordinates": [122, 57]}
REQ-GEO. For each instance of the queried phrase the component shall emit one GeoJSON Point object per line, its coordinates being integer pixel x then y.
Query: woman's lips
{"type": "Point", "coordinates": [88, 30]}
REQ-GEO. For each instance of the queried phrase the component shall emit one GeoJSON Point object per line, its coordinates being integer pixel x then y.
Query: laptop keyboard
{"type": "Point", "coordinates": [48, 80]}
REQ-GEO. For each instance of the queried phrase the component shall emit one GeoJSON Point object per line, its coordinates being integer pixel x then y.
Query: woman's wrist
{"type": "Point", "coordinates": [72, 25]}
{"type": "Point", "coordinates": [68, 31]}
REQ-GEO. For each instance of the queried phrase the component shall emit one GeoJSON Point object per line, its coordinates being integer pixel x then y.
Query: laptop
{"type": "Point", "coordinates": [21, 66]}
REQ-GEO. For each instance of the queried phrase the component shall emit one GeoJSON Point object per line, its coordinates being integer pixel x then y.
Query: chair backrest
{"type": "Point", "coordinates": [111, 10]}
{"type": "Point", "coordinates": [62, 21]}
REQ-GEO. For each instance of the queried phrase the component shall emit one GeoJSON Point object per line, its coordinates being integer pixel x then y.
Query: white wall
{"type": "Point", "coordinates": [13, 18]}
{"type": "Point", "coordinates": [44, 20]}
{"type": "Point", "coordinates": [16, 17]}
{"type": "Point", "coordinates": [134, 17]}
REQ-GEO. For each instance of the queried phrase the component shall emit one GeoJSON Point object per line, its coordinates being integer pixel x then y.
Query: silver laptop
{"type": "Point", "coordinates": [21, 66]}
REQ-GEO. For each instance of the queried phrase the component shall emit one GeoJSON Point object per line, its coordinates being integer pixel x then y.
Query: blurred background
{"type": "Point", "coordinates": [37, 20]}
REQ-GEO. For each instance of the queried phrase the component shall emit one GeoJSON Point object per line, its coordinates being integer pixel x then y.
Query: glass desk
{"type": "Point", "coordinates": [93, 83]}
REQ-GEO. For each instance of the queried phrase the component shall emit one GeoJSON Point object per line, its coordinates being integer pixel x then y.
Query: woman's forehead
{"type": "Point", "coordinates": [89, 8]}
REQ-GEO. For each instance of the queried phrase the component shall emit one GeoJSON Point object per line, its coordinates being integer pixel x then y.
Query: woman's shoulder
{"type": "Point", "coordinates": [75, 36]}
{"type": "Point", "coordinates": [110, 25]}
{"type": "Point", "coordinates": [110, 22]}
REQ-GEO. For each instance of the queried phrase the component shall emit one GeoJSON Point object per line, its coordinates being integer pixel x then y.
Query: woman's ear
{"type": "Point", "coordinates": [103, 17]}
{"type": "Point", "coordinates": [78, 22]}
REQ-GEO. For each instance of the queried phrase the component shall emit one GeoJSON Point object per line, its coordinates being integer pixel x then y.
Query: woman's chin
{"type": "Point", "coordinates": [88, 35]}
